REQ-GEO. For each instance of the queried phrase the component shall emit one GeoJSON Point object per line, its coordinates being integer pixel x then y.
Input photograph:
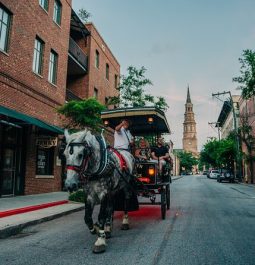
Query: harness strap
{"type": "Point", "coordinates": [123, 163]}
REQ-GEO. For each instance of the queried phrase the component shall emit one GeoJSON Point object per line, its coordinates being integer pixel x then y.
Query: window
{"type": "Point", "coordinates": [95, 93]}
{"type": "Point", "coordinates": [5, 19]}
{"type": "Point", "coordinates": [106, 100]}
{"type": "Point", "coordinates": [44, 161]}
{"type": "Point", "coordinates": [107, 71]}
{"type": "Point", "coordinates": [44, 4]}
{"type": "Point", "coordinates": [53, 67]}
{"type": "Point", "coordinates": [97, 59]}
{"type": "Point", "coordinates": [38, 56]}
{"type": "Point", "coordinates": [57, 12]}
{"type": "Point", "coordinates": [116, 81]}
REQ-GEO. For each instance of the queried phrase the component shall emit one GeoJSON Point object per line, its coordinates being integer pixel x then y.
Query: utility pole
{"type": "Point", "coordinates": [238, 161]}
{"type": "Point", "coordinates": [216, 125]}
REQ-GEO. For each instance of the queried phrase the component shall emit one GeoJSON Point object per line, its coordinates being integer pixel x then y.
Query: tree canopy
{"type": "Point", "coordinates": [187, 160]}
{"type": "Point", "coordinates": [247, 70]}
{"type": "Point", "coordinates": [132, 91]}
{"type": "Point", "coordinates": [219, 154]}
{"type": "Point", "coordinates": [83, 113]}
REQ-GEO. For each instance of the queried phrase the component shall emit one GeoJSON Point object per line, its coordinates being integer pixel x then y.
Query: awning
{"type": "Point", "coordinates": [30, 120]}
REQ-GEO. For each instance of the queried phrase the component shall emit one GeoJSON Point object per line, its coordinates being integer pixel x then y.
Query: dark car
{"type": "Point", "coordinates": [226, 175]}
{"type": "Point", "coordinates": [205, 173]}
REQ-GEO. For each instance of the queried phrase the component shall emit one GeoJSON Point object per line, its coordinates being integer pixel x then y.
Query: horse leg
{"type": "Point", "coordinates": [109, 217]}
{"type": "Point", "coordinates": [100, 244]}
{"type": "Point", "coordinates": [125, 222]}
{"type": "Point", "coordinates": [88, 217]}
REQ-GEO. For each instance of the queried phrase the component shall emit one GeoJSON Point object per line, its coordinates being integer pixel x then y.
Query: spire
{"type": "Point", "coordinates": [188, 96]}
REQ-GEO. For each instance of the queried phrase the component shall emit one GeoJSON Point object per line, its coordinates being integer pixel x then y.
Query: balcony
{"type": "Point", "coordinates": [77, 59]}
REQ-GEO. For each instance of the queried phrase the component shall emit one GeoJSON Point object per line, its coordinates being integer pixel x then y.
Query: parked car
{"type": "Point", "coordinates": [226, 175]}
{"type": "Point", "coordinates": [214, 174]}
{"type": "Point", "coordinates": [205, 173]}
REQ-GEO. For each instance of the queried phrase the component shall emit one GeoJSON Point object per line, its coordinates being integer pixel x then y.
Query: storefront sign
{"type": "Point", "coordinates": [46, 141]}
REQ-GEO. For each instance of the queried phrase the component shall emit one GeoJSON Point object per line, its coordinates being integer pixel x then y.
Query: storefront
{"type": "Point", "coordinates": [28, 155]}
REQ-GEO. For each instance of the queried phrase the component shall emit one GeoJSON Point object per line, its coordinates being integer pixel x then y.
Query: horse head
{"type": "Point", "coordinates": [77, 153]}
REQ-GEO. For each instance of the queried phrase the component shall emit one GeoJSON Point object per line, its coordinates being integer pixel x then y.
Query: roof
{"type": "Point", "coordinates": [188, 97]}
{"type": "Point", "coordinates": [225, 110]}
{"type": "Point", "coordinates": [139, 119]}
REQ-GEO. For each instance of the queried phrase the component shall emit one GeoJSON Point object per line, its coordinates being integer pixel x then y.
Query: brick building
{"type": "Point", "coordinates": [104, 69]}
{"type": "Point", "coordinates": [43, 62]}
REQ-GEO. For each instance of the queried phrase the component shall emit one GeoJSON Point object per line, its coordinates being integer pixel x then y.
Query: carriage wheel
{"type": "Point", "coordinates": [163, 202]}
{"type": "Point", "coordinates": [168, 197]}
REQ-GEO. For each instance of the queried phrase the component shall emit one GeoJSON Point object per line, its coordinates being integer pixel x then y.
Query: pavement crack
{"type": "Point", "coordinates": [240, 191]}
{"type": "Point", "coordinates": [163, 243]}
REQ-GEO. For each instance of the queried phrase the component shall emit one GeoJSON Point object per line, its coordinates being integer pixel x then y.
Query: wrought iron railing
{"type": "Point", "coordinates": [78, 53]}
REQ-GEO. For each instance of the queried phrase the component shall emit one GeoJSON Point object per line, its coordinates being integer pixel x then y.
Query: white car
{"type": "Point", "coordinates": [214, 174]}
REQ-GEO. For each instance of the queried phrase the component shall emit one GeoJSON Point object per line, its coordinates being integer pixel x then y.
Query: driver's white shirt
{"type": "Point", "coordinates": [122, 138]}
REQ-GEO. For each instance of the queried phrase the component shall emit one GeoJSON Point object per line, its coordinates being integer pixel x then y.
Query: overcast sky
{"type": "Point", "coordinates": [180, 42]}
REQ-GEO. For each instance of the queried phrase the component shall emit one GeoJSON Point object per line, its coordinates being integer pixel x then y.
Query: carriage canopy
{"type": "Point", "coordinates": [144, 120]}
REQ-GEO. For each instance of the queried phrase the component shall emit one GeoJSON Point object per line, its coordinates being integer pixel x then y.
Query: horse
{"type": "Point", "coordinates": [104, 173]}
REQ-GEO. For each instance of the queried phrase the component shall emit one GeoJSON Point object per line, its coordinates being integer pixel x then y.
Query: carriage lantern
{"type": "Point", "coordinates": [150, 120]}
{"type": "Point", "coordinates": [106, 122]}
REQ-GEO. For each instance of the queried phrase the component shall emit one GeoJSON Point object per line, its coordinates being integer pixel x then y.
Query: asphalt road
{"type": "Point", "coordinates": [209, 223]}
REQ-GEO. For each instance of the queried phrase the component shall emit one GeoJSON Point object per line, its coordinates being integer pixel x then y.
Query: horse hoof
{"type": "Point", "coordinates": [108, 235]}
{"type": "Point", "coordinates": [99, 249]}
{"type": "Point", "coordinates": [125, 227]}
{"type": "Point", "coordinates": [93, 231]}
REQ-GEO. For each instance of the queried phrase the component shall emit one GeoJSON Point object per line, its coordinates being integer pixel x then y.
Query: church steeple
{"type": "Point", "coordinates": [188, 96]}
{"type": "Point", "coordinates": [189, 127]}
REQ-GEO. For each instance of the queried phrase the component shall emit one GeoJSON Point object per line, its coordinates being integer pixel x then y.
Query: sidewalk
{"type": "Point", "coordinates": [16, 213]}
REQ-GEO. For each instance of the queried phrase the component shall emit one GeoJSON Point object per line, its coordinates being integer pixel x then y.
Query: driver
{"type": "Point", "coordinates": [123, 139]}
{"type": "Point", "coordinates": [160, 154]}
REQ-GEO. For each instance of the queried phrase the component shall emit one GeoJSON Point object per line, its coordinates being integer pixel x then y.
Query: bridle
{"type": "Point", "coordinates": [86, 155]}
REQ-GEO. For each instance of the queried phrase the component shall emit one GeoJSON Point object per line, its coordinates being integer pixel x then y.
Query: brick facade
{"type": "Point", "coordinates": [96, 77]}
{"type": "Point", "coordinates": [27, 92]}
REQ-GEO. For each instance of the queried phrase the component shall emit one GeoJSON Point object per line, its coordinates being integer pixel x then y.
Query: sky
{"type": "Point", "coordinates": [180, 43]}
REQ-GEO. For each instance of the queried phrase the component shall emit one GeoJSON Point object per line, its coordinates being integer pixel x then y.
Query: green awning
{"type": "Point", "coordinates": [30, 120]}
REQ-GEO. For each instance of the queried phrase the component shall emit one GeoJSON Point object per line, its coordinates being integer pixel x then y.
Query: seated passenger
{"type": "Point", "coordinates": [143, 151]}
{"type": "Point", "coordinates": [160, 154]}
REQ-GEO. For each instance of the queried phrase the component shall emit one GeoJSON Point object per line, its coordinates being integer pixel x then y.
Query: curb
{"type": "Point", "coordinates": [31, 208]}
{"type": "Point", "coordinates": [13, 230]}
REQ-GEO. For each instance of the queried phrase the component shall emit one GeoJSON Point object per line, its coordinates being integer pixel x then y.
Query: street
{"type": "Point", "coordinates": [208, 223]}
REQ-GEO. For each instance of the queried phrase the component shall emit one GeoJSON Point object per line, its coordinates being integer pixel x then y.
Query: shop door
{"type": "Point", "coordinates": [8, 171]}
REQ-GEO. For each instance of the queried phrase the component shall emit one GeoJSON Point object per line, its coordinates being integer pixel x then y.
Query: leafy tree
{"type": "Point", "coordinates": [83, 113]}
{"type": "Point", "coordinates": [84, 15]}
{"type": "Point", "coordinates": [247, 78]}
{"type": "Point", "coordinates": [187, 160]}
{"type": "Point", "coordinates": [245, 134]}
{"type": "Point", "coordinates": [219, 154]}
{"type": "Point", "coordinates": [132, 91]}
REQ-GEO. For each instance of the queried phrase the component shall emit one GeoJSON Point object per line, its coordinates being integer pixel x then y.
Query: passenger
{"type": "Point", "coordinates": [160, 154]}
{"type": "Point", "coordinates": [143, 151]}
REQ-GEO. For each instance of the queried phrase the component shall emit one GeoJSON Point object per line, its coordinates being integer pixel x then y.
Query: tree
{"type": "Point", "coordinates": [247, 78]}
{"type": "Point", "coordinates": [84, 15]}
{"type": "Point", "coordinates": [132, 91]}
{"type": "Point", "coordinates": [187, 160]}
{"type": "Point", "coordinates": [245, 134]}
{"type": "Point", "coordinates": [83, 113]}
{"type": "Point", "coordinates": [219, 154]}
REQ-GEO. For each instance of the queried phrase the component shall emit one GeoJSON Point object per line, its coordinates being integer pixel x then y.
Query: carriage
{"type": "Point", "coordinates": [150, 123]}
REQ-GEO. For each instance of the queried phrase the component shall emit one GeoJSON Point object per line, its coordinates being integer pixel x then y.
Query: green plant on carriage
{"type": "Point", "coordinates": [132, 91]}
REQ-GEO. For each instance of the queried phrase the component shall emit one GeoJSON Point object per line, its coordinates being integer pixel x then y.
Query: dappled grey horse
{"type": "Point", "coordinates": [101, 169]}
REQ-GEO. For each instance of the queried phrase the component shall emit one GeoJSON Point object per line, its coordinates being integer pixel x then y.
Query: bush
{"type": "Point", "coordinates": [77, 196]}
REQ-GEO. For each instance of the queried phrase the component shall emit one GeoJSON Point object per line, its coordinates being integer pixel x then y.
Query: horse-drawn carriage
{"type": "Point", "coordinates": [148, 123]}
{"type": "Point", "coordinates": [88, 158]}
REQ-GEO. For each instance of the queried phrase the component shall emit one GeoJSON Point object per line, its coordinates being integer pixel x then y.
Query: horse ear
{"type": "Point", "coordinates": [66, 134]}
